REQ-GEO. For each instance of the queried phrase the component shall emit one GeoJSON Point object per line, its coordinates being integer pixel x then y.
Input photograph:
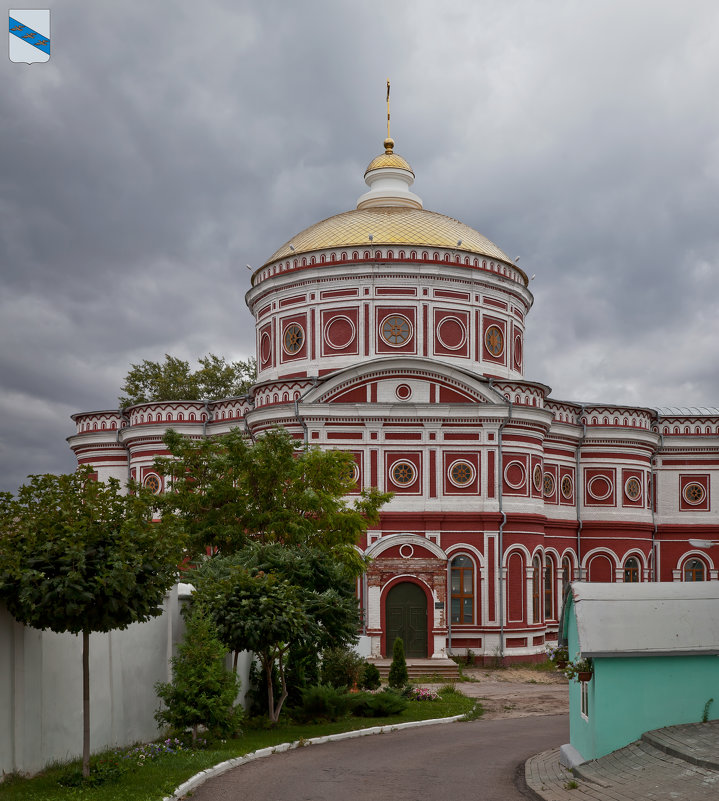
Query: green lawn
{"type": "Point", "coordinates": [157, 779]}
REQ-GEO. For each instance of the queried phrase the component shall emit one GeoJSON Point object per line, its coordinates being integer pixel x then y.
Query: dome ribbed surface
{"type": "Point", "coordinates": [396, 226]}
{"type": "Point", "coordinates": [389, 160]}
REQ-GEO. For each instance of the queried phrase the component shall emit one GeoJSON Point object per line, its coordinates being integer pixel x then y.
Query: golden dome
{"type": "Point", "coordinates": [388, 159]}
{"type": "Point", "coordinates": [399, 226]}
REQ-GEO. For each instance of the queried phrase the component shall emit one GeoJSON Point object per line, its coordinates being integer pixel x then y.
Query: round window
{"type": "Point", "coordinates": [548, 485]}
{"type": "Point", "coordinates": [537, 478]}
{"type": "Point", "coordinates": [396, 330]}
{"type": "Point", "coordinates": [461, 473]}
{"type": "Point", "coordinates": [633, 489]}
{"type": "Point", "coordinates": [494, 340]}
{"type": "Point", "coordinates": [566, 487]}
{"type": "Point", "coordinates": [403, 474]}
{"type": "Point", "coordinates": [293, 338]}
{"type": "Point", "coordinates": [352, 473]}
{"type": "Point", "coordinates": [694, 493]}
{"type": "Point", "coordinates": [152, 483]}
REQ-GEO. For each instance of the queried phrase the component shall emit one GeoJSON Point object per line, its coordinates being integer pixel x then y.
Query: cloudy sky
{"type": "Point", "coordinates": [166, 145]}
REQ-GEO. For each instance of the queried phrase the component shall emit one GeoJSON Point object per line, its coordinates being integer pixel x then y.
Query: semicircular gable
{"type": "Point", "coordinates": [406, 380]}
{"type": "Point", "coordinates": [418, 544]}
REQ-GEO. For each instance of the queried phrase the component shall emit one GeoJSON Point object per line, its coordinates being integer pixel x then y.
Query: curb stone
{"type": "Point", "coordinates": [222, 767]}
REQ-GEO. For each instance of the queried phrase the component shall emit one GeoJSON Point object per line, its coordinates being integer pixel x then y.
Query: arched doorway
{"type": "Point", "coordinates": [406, 617]}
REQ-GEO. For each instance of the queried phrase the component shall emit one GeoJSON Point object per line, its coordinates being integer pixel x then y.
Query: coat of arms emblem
{"type": "Point", "coordinates": [29, 32]}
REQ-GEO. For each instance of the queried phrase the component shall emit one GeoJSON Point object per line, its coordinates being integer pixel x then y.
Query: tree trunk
{"type": "Point", "coordinates": [85, 703]}
{"type": "Point", "coordinates": [267, 663]}
{"type": "Point", "coordinates": [284, 688]}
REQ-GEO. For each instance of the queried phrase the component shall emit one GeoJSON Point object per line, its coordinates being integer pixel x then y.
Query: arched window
{"type": "Point", "coordinates": [631, 571]}
{"type": "Point", "coordinates": [549, 589]}
{"type": "Point", "coordinates": [536, 589]}
{"type": "Point", "coordinates": [462, 600]}
{"type": "Point", "coordinates": [694, 570]}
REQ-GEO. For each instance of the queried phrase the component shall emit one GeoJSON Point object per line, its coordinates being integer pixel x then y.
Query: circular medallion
{"type": "Point", "coordinates": [293, 339]}
{"type": "Point", "coordinates": [403, 474]}
{"type": "Point", "coordinates": [403, 392]}
{"type": "Point", "coordinates": [494, 340]}
{"type": "Point", "coordinates": [515, 475]}
{"type": "Point", "coordinates": [339, 332]}
{"type": "Point", "coordinates": [599, 487]}
{"type": "Point", "coordinates": [566, 487]}
{"type": "Point", "coordinates": [406, 551]}
{"type": "Point", "coordinates": [265, 348]}
{"type": "Point", "coordinates": [537, 477]}
{"type": "Point", "coordinates": [396, 330]}
{"type": "Point", "coordinates": [451, 333]}
{"type": "Point", "coordinates": [694, 493]}
{"type": "Point", "coordinates": [632, 489]}
{"type": "Point", "coordinates": [518, 350]}
{"type": "Point", "coordinates": [153, 483]}
{"type": "Point", "coordinates": [548, 485]}
{"type": "Point", "coordinates": [461, 473]}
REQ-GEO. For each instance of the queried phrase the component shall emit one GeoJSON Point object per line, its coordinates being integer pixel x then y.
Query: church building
{"type": "Point", "coordinates": [397, 334]}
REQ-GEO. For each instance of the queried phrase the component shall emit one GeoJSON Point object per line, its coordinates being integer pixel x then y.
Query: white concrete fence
{"type": "Point", "coordinates": [41, 687]}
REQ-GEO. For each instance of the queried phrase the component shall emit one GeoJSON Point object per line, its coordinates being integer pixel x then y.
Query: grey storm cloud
{"type": "Point", "coordinates": [166, 145]}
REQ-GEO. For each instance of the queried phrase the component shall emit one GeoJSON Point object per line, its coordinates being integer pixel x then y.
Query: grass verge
{"type": "Point", "coordinates": [156, 779]}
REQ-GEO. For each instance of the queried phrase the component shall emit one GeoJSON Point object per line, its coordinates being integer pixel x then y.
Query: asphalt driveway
{"type": "Point", "coordinates": [473, 760]}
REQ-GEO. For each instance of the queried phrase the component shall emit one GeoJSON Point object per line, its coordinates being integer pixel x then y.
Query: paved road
{"type": "Point", "coordinates": [475, 760]}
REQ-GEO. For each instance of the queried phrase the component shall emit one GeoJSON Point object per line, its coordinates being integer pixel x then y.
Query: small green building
{"type": "Point", "coordinates": [654, 648]}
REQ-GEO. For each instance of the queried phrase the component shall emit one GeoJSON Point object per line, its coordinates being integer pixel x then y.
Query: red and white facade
{"type": "Point", "coordinates": [397, 334]}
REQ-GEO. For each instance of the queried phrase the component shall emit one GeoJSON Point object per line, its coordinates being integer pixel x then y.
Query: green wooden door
{"type": "Point", "coordinates": [406, 616]}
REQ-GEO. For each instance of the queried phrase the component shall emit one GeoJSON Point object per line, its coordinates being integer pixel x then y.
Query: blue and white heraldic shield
{"type": "Point", "coordinates": [29, 35]}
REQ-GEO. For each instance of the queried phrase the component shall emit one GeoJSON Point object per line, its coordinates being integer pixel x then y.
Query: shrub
{"type": "Point", "coordinates": [341, 667]}
{"type": "Point", "coordinates": [448, 691]}
{"type": "Point", "coordinates": [370, 677]}
{"type": "Point", "coordinates": [378, 705]}
{"type": "Point", "coordinates": [303, 670]}
{"type": "Point", "coordinates": [323, 702]}
{"type": "Point", "coordinates": [398, 675]}
{"type": "Point", "coordinates": [202, 691]}
{"type": "Point", "coordinates": [107, 767]}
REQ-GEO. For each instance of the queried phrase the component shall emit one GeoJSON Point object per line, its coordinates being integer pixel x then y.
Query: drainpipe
{"type": "Point", "coordinates": [248, 430]}
{"type": "Point", "coordinates": [655, 525]}
{"type": "Point", "coordinates": [503, 522]}
{"type": "Point", "coordinates": [299, 400]}
{"type": "Point", "coordinates": [208, 418]}
{"type": "Point", "coordinates": [365, 590]}
{"type": "Point", "coordinates": [449, 608]}
{"type": "Point", "coordinates": [577, 482]}
{"type": "Point", "coordinates": [123, 419]}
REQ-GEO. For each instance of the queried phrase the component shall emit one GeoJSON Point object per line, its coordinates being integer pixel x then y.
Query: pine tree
{"type": "Point", "coordinates": [202, 691]}
{"type": "Point", "coordinates": [398, 675]}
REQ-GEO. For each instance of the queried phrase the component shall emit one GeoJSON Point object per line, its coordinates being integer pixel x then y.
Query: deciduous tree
{"type": "Point", "coordinates": [80, 556]}
{"type": "Point", "coordinates": [258, 612]}
{"type": "Point", "coordinates": [314, 587]}
{"type": "Point", "coordinates": [227, 491]}
{"type": "Point", "coordinates": [173, 379]}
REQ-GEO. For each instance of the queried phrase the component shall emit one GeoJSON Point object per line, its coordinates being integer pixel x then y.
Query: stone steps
{"type": "Point", "coordinates": [421, 668]}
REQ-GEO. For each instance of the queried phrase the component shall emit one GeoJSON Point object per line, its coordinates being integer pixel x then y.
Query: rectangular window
{"type": "Point", "coordinates": [584, 685]}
